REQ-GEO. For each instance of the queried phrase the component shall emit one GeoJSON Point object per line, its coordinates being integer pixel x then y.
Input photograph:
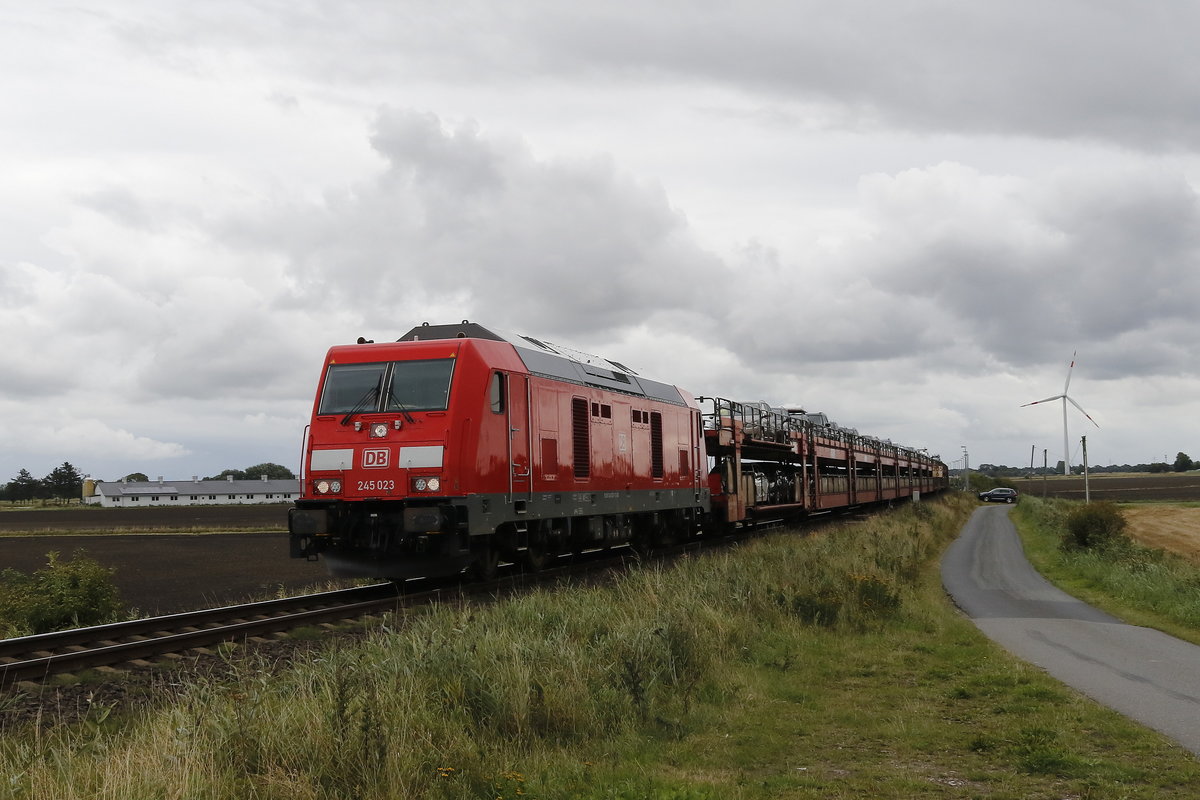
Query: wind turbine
{"type": "Point", "coordinates": [1066, 398]}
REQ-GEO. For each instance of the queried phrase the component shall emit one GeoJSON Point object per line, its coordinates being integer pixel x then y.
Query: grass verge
{"type": "Point", "coordinates": [1141, 585]}
{"type": "Point", "coordinates": [830, 666]}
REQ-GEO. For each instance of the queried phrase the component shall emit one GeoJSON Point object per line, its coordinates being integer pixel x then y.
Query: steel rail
{"type": "Point", "coordinates": [39, 656]}
{"type": "Point", "coordinates": [93, 633]}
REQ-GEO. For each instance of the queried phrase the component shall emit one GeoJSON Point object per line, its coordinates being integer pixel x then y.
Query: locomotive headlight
{"type": "Point", "coordinates": [426, 484]}
{"type": "Point", "coordinates": [322, 487]}
{"type": "Point", "coordinates": [328, 487]}
{"type": "Point", "coordinates": [419, 484]}
{"type": "Point", "coordinates": [433, 484]}
{"type": "Point", "coordinates": [379, 430]}
{"type": "Point", "coordinates": [335, 487]}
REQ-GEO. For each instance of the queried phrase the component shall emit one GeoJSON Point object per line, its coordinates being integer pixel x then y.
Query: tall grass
{"type": "Point", "coordinates": [622, 691]}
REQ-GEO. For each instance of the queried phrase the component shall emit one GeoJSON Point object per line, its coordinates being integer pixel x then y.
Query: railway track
{"type": "Point", "coordinates": [35, 658]}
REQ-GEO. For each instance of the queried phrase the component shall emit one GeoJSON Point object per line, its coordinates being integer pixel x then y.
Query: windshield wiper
{"type": "Point", "coordinates": [371, 394]}
{"type": "Point", "coordinates": [390, 399]}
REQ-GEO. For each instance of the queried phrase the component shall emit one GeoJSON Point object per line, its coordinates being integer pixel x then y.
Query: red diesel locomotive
{"type": "Point", "coordinates": [457, 447]}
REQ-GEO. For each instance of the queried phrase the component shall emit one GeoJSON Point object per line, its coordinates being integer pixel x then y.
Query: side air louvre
{"type": "Point", "coordinates": [656, 445]}
{"type": "Point", "coordinates": [580, 445]}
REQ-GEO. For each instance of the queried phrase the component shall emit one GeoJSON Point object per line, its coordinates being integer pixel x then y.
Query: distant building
{"type": "Point", "coordinates": [118, 494]}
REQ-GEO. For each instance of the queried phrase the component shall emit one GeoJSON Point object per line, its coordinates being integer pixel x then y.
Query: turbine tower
{"type": "Point", "coordinates": [1066, 398]}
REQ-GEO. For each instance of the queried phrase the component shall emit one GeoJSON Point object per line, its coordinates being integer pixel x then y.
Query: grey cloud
{"type": "Point", "coordinates": [1095, 259]}
{"type": "Point", "coordinates": [566, 246]}
{"type": "Point", "coordinates": [122, 205]}
{"type": "Point", "coordinates": [456, 162]}
{"type": "Point", "coordinates": [1076, 70]}
{"type": "Point", "coordinates": [1120, 73]}
{"type": "Point", "coordinates": [15, 291]}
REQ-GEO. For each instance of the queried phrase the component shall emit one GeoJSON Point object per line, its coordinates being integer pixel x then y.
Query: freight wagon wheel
{"type": "Point", "coordinates": [485, 559]}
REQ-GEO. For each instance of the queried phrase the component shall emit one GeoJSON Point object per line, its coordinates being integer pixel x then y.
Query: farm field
{"type": "Point", "coordinates": [141, 520]}
{"type": "Point", "coordinates": [163, 564]}
{"type": "Point", "coordinates": [1167, 527]}
{"type": "Point", "coordinates": [1164, 487]}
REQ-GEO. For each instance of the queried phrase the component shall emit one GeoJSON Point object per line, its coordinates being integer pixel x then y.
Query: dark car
{"type": "Point", "coordinates": [999, 495]}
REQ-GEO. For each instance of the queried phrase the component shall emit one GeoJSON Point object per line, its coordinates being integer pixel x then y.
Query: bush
{"type": "Point", "coordinates": [1095, 526]}
{"type": "Point", "coordinates": [63, 594]}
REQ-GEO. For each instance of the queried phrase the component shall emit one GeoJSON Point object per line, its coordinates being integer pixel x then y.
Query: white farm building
{"type": "Point", "coordinates": [117, 494]}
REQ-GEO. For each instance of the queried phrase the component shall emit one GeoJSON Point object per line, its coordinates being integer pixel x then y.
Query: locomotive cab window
{"type": "Point", "coordinates": [420, 385]}
{"type": "Point", "coordinates": [497, 393]}
{"type": "Point", "coordinates": [351, 386]}
{"type": "Point", "coordinates": [409, 386]}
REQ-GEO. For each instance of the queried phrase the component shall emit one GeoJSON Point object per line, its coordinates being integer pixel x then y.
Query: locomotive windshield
{"type": "Point", "coordinates": [407, 386]}
{"type": "Point", "coordinates": [419, 385]}
{"type": "Point", "coordinates": [350, 387]}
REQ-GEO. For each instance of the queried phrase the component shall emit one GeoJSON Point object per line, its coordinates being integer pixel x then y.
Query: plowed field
{"type": "Point", "coordinates": [168, 559]}
{"type": "Point", "coordinates": [152, 519]}
{"type": "Point", "coordinates": [1167, 487]}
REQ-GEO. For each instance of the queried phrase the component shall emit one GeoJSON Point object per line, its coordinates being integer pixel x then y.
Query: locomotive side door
{"type": "Point", "coordinates": [520, 435]}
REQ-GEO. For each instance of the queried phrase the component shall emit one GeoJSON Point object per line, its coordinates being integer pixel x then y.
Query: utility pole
{"type": "Point", "coordinates": [1045, 471]}
{"type": "Point", "coordinates": [1087, 495]}
{"type": "Point", "coordinates": [966, 470]}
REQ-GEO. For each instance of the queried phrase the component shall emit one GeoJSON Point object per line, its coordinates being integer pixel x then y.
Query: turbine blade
{"type": "Point", "coordinates": [1047, 400]}
{"type": "Point", "coordinates": [1067, 385]}
{"type": "Point", "coordinates": [1081, 411]}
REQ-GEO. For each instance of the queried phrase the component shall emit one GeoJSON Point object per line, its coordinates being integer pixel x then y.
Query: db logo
{"type": "Point", "coordinates": [375, 458]}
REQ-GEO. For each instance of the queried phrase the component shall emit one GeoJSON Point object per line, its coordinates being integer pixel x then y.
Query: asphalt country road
{"type": "Point", "coordinates": [1142, 673]}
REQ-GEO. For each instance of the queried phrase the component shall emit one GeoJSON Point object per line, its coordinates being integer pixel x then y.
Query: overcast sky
{"type": "Point", "coordinates": [905, 214]}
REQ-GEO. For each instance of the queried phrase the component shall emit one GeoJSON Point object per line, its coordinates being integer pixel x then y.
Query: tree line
{"type": "Point", "coordinates": [65, 482]}
{"type": "Point", "coordinates": [1182, 463]}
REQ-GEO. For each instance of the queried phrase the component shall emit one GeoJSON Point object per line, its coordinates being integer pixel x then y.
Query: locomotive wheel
{"type": "Point", "coordinates": [641, 544]}
{"type": "Point", "coordinates": [664, 535]}
{"type": "Point", "coordinates": [535, 556]}
{"type": "Point", "coordinates": [485, 560]}
{"type": "Point", "coordinates": [644, 536]}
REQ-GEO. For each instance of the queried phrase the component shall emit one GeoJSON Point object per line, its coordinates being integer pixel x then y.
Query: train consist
{"type": "Point", "coordinates": [458, 447]}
